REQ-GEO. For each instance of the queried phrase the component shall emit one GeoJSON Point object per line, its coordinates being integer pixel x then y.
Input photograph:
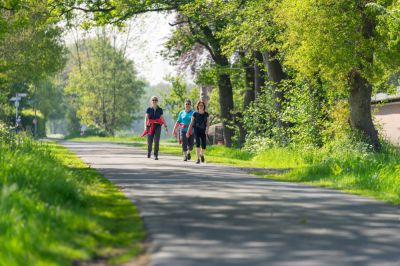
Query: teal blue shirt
{"type": "Point", "coordinates": [185, 118]}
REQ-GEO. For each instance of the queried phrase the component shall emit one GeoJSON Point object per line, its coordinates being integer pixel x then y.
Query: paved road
{"type": "Point", "coordinates": [200, 215]}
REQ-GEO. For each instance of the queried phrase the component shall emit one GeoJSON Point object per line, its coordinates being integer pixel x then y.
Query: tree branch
{"type": "Point", "coordinates": [178, 23]}
{"type": "Point", "coordinates": [207, 46]}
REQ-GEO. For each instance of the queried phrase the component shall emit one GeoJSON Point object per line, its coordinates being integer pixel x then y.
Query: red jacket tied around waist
{"type": "Point", "coordinates": [151, 123]}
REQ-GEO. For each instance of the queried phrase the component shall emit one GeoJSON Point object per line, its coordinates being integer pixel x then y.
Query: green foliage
{"type": "Point", "coordinates": [7, 136]}
{"type": "Point", "coordinates": [251, 27]}
{"type": "Point", "coordinates": [259, 118]}
{"type": "Point", "coordinates": [48, 97]}
{"type": "Point", "coordinates": [333, 39]}
{"type": "Point", "coordinates": [105, 87]}
{"type": "Point", "coordinates": [95, 131]}
{"type": "Point", "coordinates": [348, 164]}
{"type": "Point", "coordinates": [31, 48]}
{"type": "Point", "coordinates": [62, 216]}
{"type": "Point", "coordinates": [27, 118]}
{"type": "Point", "coordinates": [174, 97]}
{"type": "Point", "coordinates": [305, 113]}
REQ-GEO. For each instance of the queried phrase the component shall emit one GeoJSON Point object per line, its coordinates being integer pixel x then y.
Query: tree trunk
{"type": "Point", "coordinates": [259, 72]}
{"type": "Point", "coordinates": [275, 75]}
{"type": "Point", "coordinates": [213, 45]}
{"type": "Point", "coordinates": [226, 103]}
{"type": "Point", "coordinates": [360, 108]}
{"type": "Point", "coordinates": [249, 96]}
{"type": "Point", "coordinates": [361, 89]}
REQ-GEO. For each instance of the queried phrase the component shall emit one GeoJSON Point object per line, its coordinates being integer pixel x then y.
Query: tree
{"type": "Point", "coordinates": [30, 47]}
{"type": "Point", "coordinates": [254, 34]}
{"type": "Point", "coordinates": [201, 29]}
{"type": "Point", "coordinates": [174, 97]}
{"type": "Point", "coordinates": [106, 86]}
{"type": "Point", "coordinates": [346, 42]}
{"type": "Point", "coordinates": [197, 27]}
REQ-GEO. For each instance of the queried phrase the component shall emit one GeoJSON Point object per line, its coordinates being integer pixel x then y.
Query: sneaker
{"type": "Point", "coordinates": [188, 156]}
{"type": "Point", "coordinates": [185, 158]}
{"type": "Point", "coordinates": [198, 161]}
{"type": "Point", "coordinates": [202, 158]}
{"type": "Point", "coordinates": [148, 155]}
{"type": "Point", "coordinates": [156, 158]}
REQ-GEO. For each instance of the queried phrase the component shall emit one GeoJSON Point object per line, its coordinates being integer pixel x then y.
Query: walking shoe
{"type": "Point", "coordinates": [202, 158]}
{"type": "Point", "coordinates": [198, 161]}
{"type": "Point", "coordinates": [148, 155]}
{"type": "Point", "coordinates": [156, 158]}
{"type": "Point", "coordinates": [188, 156]}
{"type": "Point", "coordinates": [185, 158]}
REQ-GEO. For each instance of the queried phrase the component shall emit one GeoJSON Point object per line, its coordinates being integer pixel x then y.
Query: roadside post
{"type": "Point", "coordinates": [16, 100]}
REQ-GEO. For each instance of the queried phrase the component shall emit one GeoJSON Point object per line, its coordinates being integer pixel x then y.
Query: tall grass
{"type": "Point", "coordinates": [54, 210]}
{"type": "Point", "coordinates": [349, 166]}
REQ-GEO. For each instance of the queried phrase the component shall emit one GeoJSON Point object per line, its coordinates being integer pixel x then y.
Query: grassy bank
{"type": "Point", "coordinates": [351, 169]}
{"type": "Point", "coordinates": [54, 210]}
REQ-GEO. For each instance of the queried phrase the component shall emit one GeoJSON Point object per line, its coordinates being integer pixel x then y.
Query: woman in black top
{"type": "Point", "coordinates": [153, 121]}
{"type": "Point", "coordinates": [200, 122]}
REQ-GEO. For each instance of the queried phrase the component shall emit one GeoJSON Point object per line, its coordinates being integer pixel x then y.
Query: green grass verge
{"type": "Point", "coordinates": [343, 165]}
{"type": "Point", "coordinates": [55, 210]}
{"type": "Point", "coordinates": [375, 175]}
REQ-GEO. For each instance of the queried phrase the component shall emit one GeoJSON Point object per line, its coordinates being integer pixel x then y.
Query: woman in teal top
{"type": "Point", "coordinates": [182, 123]}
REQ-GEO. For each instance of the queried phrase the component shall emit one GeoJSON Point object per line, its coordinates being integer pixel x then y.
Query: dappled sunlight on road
{"type": "Point", "coordinates": [214, 215]}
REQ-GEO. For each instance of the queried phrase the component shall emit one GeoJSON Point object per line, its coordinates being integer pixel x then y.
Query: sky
{"type": "Point", "coordinates": [149, 32]}
{"type": "Point", "coordinates": [146, 35]}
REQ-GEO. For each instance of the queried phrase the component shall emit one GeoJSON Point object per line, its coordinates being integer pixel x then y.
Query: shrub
{"type": "Point", "coordinates": [27, 118]}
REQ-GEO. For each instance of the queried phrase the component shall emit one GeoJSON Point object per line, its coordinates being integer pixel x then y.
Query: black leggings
{"type": "Point", "coordinates": [200, 135]}
{"type": "Point", "coordinates": [187, 143]}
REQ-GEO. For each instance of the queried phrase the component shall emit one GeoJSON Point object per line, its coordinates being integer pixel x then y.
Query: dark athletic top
{"type": "Point", "coordinates": [200, 120]}
{"type": "Point", "coordinates": [154, 114]}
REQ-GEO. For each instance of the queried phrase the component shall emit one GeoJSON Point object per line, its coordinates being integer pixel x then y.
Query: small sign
{"type": "Point", "coordinates": [15, 99]}
{"type": "Point", "coordinates": [22, 94]}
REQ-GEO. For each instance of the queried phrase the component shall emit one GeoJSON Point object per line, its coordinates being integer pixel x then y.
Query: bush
{"type": "Point", "coordinates": [91, 131]}
{"type": "Point", "coordinates": [27, 118]}
{"type": "Point", "coordinates": [7, 137]}
{"type": "Point", "coordinates": [95, 131]}
{"type": "Point", "coordinates": [10, 140]}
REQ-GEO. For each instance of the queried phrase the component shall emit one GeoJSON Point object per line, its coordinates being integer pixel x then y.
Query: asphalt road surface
{"type": "Point", "coordinates": [200, 215]}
